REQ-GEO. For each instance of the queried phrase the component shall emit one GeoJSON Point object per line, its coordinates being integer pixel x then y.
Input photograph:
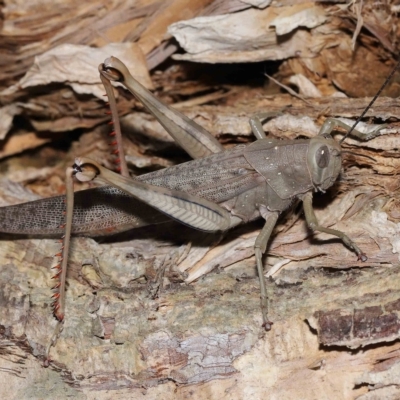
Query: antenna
{"type": "Point", "coordinates": [371, 102]}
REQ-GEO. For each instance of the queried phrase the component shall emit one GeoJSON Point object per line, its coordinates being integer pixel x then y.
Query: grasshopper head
{"type": "Point", "coordinates": [324, 161]}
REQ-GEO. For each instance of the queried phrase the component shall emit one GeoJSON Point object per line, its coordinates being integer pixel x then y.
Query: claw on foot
{"type": "Point", "coordinates": [267, 325]}
{"type": "Point", "coordinates": [362, 257]}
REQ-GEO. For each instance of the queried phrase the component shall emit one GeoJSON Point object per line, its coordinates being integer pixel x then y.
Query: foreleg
{"type": "Point", "coordinates": [332, 123]}
{"type": "Point", "coordinates": [256, 123]}
{"type": "Point", "coordinates": [314, 225]}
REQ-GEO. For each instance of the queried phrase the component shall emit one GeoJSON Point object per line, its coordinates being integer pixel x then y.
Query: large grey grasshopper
{"type": "Point", "coordinates": [218, 190]}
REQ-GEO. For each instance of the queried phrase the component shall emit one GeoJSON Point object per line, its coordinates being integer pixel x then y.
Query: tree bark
{"type": "Point", "coordinates": [168, 312]}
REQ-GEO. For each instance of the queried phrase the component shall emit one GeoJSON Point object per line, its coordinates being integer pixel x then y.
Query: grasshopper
{"type": "Point", "coordinates": [218, 190]}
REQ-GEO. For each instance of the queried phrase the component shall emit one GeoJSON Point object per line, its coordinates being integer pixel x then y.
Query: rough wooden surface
{"type": "Point", "coordinates": [336, 320]}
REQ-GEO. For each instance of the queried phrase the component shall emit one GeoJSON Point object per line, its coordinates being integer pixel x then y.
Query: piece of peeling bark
{"type": "Point", "coordinates": [77, 66]}
{"type": "Point", "coordinates": [155, 27]}
{"type": "Point", "coordinates": [256, 36]}
{"type": "Point", "coordinates": [358, 73]}
{"type": "Point", "coordinates": [383, 380]}
{"type": "Point", "coordinates": [7, 114]}
{"type": "Point", "coordinates": [189, 335]}
{"type": "Point", "coordinates": [91, 23]}
{"type": "Point", "coordinates": [21, 142]}
{"type": "Point", "coordinates": [324, 49]}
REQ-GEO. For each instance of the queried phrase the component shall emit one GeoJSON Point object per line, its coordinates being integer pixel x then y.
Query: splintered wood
{"type": "Point", "coordinates": [198, 334]}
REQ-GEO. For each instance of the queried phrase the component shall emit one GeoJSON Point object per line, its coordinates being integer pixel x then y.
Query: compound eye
{"type": "Point", "coordinates": [322, 157]}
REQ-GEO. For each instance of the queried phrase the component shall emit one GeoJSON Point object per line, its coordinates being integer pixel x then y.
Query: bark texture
{"type": "Point", "coordinates": [167, 312]}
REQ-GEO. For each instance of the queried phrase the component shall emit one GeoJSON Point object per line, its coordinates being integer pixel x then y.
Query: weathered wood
{"type": "Point", "coordinates": [336, 319]}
